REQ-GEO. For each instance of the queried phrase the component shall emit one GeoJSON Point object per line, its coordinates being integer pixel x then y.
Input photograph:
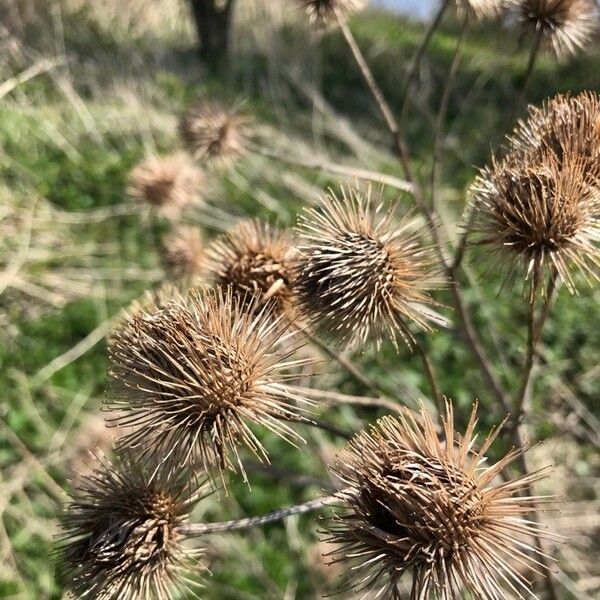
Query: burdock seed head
{"type": "Point", "coordinates": [361, 275]}
{"type": "Point", "coordinates": [427, 503]}
{"type": "Point", "coordinates": [567, 125]}
{"type": "Point", "coordinates": [119, 538]}
{"type": "Point", "coordinates": [166, 184]}
{"type": "Point", "coordinates": [255, 260]}
{"type": "Point", "coordinates": [542, 214]}
{"type": "Point", "coordinates": [325, 13]}
{"type": "Point", "coordinates": [183, 253]}
{"type": "Point", "coordinates": [193, 373]}
{"type": "Point", "coordinates": [213, 133]}
{"type": "Point", "coordinates": [566, 25]}
{"type": "Point", "coordinates": [480, 9]}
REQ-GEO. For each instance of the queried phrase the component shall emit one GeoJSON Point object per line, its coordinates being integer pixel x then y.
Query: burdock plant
{"type": "Point", "coordinates": [166, 184]}
{"type": "Point", "coordinates": [360, 274]}
{"type": "Point", "coordinates": [427, 504]}
{"type": "Point", "coordinates": [254, 260]}
{"type": "Point", "coordinates": [199, 379]}
{"type": "Point", "coordinates": [119, 535]}
{"type": "Point", "coordinates": [194, 375]}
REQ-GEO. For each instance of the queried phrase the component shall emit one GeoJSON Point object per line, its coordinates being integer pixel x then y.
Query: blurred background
{"type": "Point", "coordinates": [88, 88]}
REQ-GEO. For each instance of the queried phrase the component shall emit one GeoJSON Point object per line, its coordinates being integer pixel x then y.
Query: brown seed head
{"type": "Point", "coordinates": [540, 213]}
{"type": "Point", "coordinates": [324, 13]}
{"type": "Point", "coordinates": [254, 259]}
{"type": "Point", "coordinates": [359, 274]}
{"type": "Point", "coordinates": [213, 133]}
{"type": "Point", "coordinates": [193, 373]}
{"type": "Point", "coordinates": [567, 25]}
{"type": "Point", "coordinates": [119, 537]}
{"type": "Point", "coordinates": [480, 9]}
{"type": "Point", "coordinates": [567, 125]}
{"type": "Point", "coordinates": [426, 503]}
{"type": "Point", "coordinates": [166, 184]}
{"type": "Point", "coordinates": [183, 253]}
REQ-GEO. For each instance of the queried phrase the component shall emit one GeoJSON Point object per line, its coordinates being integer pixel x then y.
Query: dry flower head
{"type": "Point", "coordinates": [427, 503]}
{"type": "Point", "coordinates": [480, 9]}
{"type": "Point", "coordinates": [361, 275]}
{"type": "Point", "coordinates": [568, 125]}
{"type": "Point", "coordinates": [542, 214]}
{"type": "Point", "coordinates": [195, 372]}
{"type": "Point", "coordinates": [119, 536]}
{"type": "Point", "coordinates": [567, 25]}
{"type": "Point", "coordinates": [213, 133]}
{"type": "Point", "coordinates": [183, 253]}
{"type": "Point", "coordinates": [325, 13]}
{"type": "Point", "coordinates": [255, 260]}
{"type": "Point", "coordinates": [166, 184]}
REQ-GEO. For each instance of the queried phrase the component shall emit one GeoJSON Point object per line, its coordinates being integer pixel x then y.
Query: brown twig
{"type": "Point", "coordinates": [197, 529]}
{"type": "Point", "coordinates": [429, 370]}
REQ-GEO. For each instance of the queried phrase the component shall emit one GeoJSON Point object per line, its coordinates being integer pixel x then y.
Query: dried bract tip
{"type": "Point", "coordinates": [254, 259]}
{"type": "Point", "coordinates": [213, 133]}
{"type": "Point", "coordinates": [361, 275]}
{"type": "Point", "coordinates": [183, 253]}
{"type": "Point", "coordinates": [194, 374]}
{"type": "Point", "coordinates": [567, 125]}
{"type": "Point", "coordinates": [325, 13]}
{"type": "Point", "coordinates": [541, 214]}
{"type": "Point", "coordinates": [427, 503]}
{"type": "Point", "coordinates": [166, 184]}
{"type": "Point", "coordinates": [119, 537]}
{"type": "Point", "coordinates": [567, 25]}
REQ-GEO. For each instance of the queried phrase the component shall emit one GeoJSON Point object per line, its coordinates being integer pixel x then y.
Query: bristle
{"type": "Point", "coordinates": [183, 253]}
{"type": "Point", "coordinates": [324, 13]}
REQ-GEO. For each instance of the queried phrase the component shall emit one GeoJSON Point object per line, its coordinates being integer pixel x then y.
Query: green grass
{"type": "Point", "coordinates": [86, 168]}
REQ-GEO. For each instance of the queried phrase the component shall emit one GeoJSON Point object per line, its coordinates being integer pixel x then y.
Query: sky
{"type": "Point", "coordinates": [420, 8]}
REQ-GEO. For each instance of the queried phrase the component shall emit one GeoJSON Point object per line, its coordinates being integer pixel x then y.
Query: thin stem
{"type": "Point", "coordinates": [430, 374]}
{"type": "Point", "coordinates": [323, 426]}
{"type": "Point", "coordinates": [535, 329]}
{"type": "Point", "coordinates": [435, 23]}
{"type": "Point", "coordinates": [336, 169]}
{"type": "Point", "coordinates": [443, 109]}
{"type": "Point", "coordinates": [198, 529]}
{"type": "Point", "coordinates": [533, 54]}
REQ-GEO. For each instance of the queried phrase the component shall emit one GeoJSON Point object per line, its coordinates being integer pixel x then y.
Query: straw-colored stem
{"type": "Point", "coordinates": [430, 374]}
{"type": "Point", "coordinates": [198, 529]}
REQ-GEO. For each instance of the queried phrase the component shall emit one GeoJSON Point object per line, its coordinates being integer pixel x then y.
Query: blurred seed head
{"type": "Point", "coordinates": [183, 253]}
{"type": "Point", "coordinates": [359, 274]}
{"type": "Point", "coordinates": [567, 125]}
{"type": "Point", "coordinates": [119, 538]}
{"type": "Point", "coordinates": [427, 503]}
{"type": "Point", "coordinates": [481, 9]}
{"type": "Point", "coordinates": [542, 214]}
{"type": "Point", "coordinates": [324, 13]}
{"type": "Point", "coordinates": [255, 260]}
{"type": "Point", "coordinates": [566, 25]}
{"type": "Point", "coordinates": [214, 134]}
{"type": "Point", "coordinates": [166, 184]}
{"type": "Point", "coordinates": [193, 372]}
